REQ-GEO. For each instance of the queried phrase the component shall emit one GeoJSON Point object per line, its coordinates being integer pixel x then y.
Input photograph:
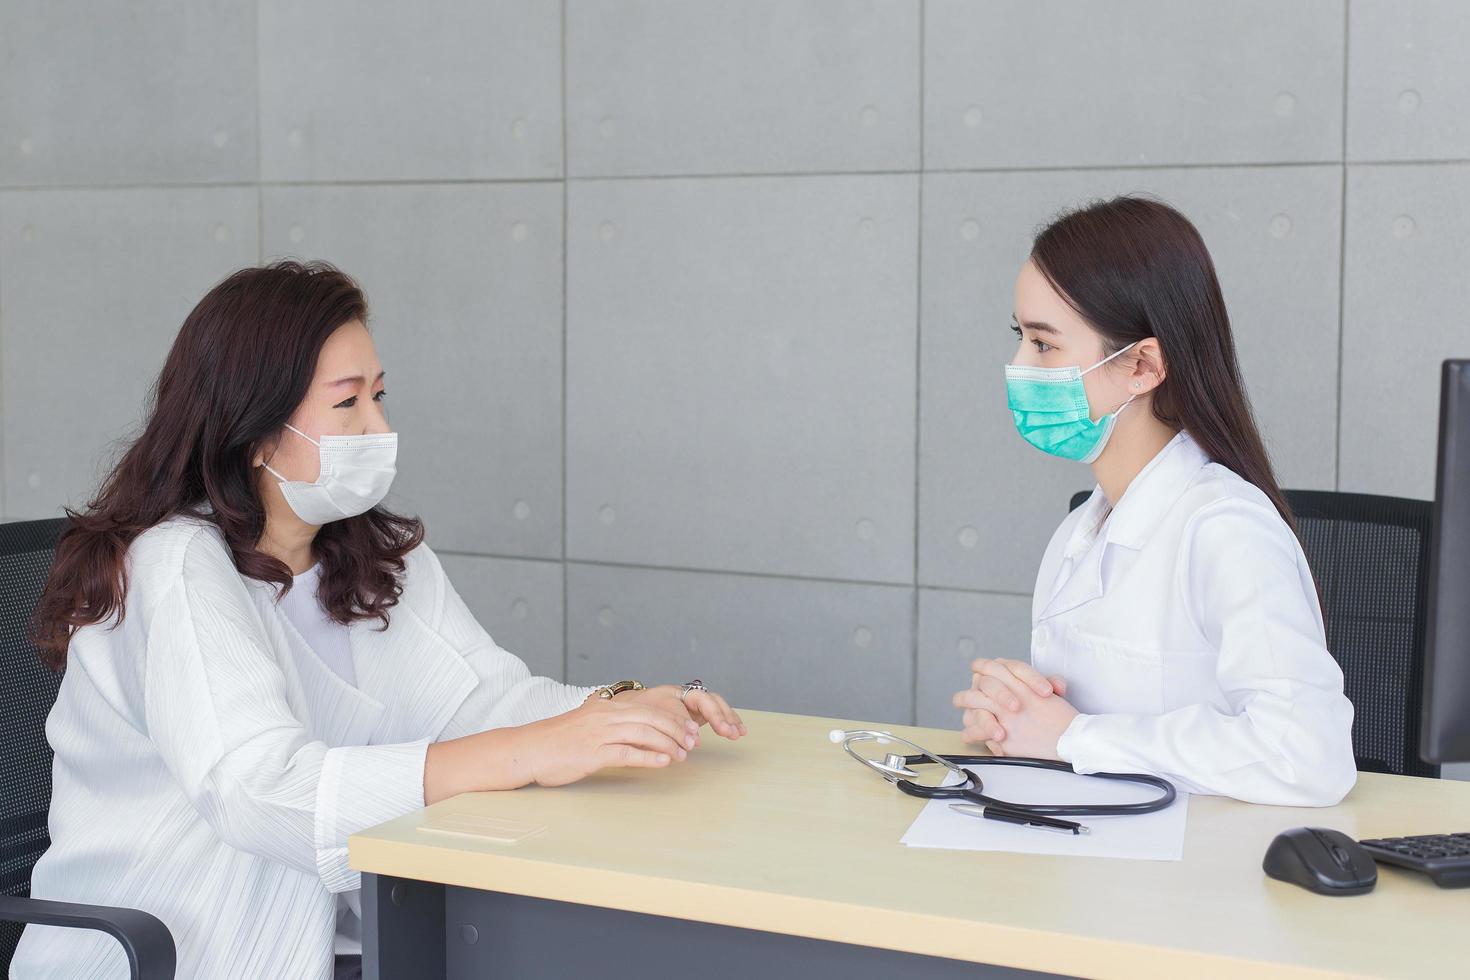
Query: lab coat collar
{"type": "Point", "coordinates": [1131, 524]}
{"type": "Point", "coordinates": [1154, 490]}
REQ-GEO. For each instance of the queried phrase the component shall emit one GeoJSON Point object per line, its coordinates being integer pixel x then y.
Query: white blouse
{"type": "Point", "coordinates": [209, 770]}
{"type": "Point", "coordinates": [1188, 630]}
{"type": "Point", "coordinates": [331, 642]}
{"type": "Point", "coordinates": [328, 639]}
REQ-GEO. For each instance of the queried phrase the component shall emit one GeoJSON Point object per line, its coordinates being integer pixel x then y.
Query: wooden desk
{"type": "Point", "coordinates": [783, 835]}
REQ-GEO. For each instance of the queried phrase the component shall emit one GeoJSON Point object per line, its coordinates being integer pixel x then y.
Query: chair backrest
{"type": "Point", "coordinates": [1370, 557]}
{"type": "Point", "coordinates": [27, 691]}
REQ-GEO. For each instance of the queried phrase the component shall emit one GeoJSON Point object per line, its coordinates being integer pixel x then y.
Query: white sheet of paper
{"type": "Point", "coordinates": [1151, 836]}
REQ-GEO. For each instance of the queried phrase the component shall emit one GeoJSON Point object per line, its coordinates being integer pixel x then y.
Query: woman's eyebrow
{"type": "Point", "coordinates": [356, 379]}
{"type": "Point", "coordinates": [1040, 327]}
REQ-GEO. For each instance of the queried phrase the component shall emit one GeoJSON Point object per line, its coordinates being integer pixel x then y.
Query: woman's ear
{"type": "Point", "coordinates": [1149, 370]}
{"type": "Point", "coordinates": [264, 450]}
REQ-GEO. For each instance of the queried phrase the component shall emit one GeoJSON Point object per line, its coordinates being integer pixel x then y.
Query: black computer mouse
{"type": "Point", "coordinates": [1321, 860]}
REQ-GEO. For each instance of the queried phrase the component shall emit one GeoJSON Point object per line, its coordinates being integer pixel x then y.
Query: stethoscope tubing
{"type": "Point", "coordinates": [975, 792]}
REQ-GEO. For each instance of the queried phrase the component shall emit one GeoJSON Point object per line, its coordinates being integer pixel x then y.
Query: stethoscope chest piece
{"type": "Point", "coordinates": [895, 765]}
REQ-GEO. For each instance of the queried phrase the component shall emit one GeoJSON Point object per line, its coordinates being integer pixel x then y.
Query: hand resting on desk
{"type": "Point", "coordinates": [648, 729]}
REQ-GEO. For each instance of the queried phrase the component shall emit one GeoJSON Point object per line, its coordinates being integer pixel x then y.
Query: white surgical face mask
{"type": "Point", "coordinates": [356, 472]}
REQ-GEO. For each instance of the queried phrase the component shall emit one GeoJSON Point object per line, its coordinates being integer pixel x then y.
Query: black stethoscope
{"type": "Point", "coordinates": [970, 792]}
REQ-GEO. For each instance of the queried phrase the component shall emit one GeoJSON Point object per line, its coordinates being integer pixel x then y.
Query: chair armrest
{"type": "Point", "coordinates": [146, 940]}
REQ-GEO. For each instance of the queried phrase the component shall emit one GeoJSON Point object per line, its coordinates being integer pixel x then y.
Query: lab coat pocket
{"type": "Point", "coordinates": [1107, 675]}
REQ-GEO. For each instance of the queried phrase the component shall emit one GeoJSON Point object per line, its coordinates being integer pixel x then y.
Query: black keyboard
{"type": "Point", "coordinates": [1445, 858]}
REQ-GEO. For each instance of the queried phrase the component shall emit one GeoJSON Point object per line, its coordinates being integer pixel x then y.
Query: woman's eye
{"type": "Point", "coordinates": [1042, 346]}
{"type": "Point", "coordinates": [380, 395]}
{"type": "Point", "coordinates": [347, 404]}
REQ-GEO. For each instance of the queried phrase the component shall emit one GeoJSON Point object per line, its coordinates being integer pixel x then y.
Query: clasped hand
{"type": "Point", "coordinates": [1014, 710]}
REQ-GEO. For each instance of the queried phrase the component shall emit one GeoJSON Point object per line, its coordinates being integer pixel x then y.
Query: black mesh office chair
{"type": "Point", "coordinates": [1370, 556]}
{"type": "Point", "coordinates": [27, 690]}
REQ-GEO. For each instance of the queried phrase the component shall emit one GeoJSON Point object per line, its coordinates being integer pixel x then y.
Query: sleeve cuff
{"type": "Point", "coordinates": [362, 786]}
{"type": "Point", "coordinates": [576, 695]}
{"type": "Point", "coordinates": [549, 698]}
{"type": "Point", "coordinates": [1098, 743]}
{"type": "Point", "coordinates": [1069, 744]}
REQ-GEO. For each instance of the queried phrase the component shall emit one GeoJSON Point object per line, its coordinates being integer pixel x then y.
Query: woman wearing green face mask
{"type": "Point", "coordinates": [1176, 625]}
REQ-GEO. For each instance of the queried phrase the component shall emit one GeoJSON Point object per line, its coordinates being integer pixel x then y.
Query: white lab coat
{"type": "Point", "coordinates": [209, 767]}
{"type": "Point", "coordinates": [1191, 639]}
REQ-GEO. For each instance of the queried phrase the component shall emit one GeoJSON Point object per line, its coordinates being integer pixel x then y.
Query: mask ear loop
{"type": "Point", "coordinates": [1105, 359]}
{"type": "Point", "coordinates": [318, 445]}
{"type": "Point", "coordinates": [1119, 410]}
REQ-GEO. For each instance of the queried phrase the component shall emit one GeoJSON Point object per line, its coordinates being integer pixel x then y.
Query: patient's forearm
{"type": "Point", "coordinates": [476, 763]}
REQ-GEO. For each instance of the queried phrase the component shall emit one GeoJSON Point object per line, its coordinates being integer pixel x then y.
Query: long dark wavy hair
{"type": "Point", "coordinates": [1136, 268]}
{"type": "Point", "coordinates": [241, 365]}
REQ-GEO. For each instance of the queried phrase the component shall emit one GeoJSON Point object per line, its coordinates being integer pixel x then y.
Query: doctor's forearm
{"type": "Point", "coordinates": [1227, 755]}
{"type": "Point", "coordinates": [476, 763]}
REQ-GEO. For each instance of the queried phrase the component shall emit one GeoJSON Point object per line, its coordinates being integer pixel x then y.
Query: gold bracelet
{"type": "Point", "coordinates": [609, 691]}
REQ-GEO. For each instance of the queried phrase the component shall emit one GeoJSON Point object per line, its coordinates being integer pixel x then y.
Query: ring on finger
{"type": "Point", "coordinates": [694, 685]}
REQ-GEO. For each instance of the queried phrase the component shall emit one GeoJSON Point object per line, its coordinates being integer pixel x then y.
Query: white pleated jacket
{"type": "Point", "coordinates": [209, 767]}
{"type": "Point", "coordinates": [1188, 629]}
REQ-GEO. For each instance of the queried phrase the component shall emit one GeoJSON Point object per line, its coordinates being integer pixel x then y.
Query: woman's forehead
{"type": "Point", "coordinates": [348, 354]}
{"type": "Point", "coordinates": [1038, 303]}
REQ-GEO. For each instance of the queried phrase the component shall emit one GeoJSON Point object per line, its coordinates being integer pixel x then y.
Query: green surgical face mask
{"type": "Point", "coordinates": [1051, 411]}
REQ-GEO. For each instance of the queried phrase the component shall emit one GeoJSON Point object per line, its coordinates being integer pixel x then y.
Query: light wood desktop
{"type": "Point", "coordinates": [782, 832]}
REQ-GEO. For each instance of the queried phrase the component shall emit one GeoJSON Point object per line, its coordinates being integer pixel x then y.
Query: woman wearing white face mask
{"type": "Point", "coordinates": [1176, 625]}
{"type": "Point", "coordinates": [263, 660]}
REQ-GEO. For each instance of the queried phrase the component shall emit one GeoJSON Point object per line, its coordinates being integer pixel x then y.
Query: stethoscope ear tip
{"type": "Point", "coordinates": [836, 735]}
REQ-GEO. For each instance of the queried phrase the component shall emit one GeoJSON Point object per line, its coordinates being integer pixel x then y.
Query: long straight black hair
{"type": "Point", "coordinates": [1136, 268]}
